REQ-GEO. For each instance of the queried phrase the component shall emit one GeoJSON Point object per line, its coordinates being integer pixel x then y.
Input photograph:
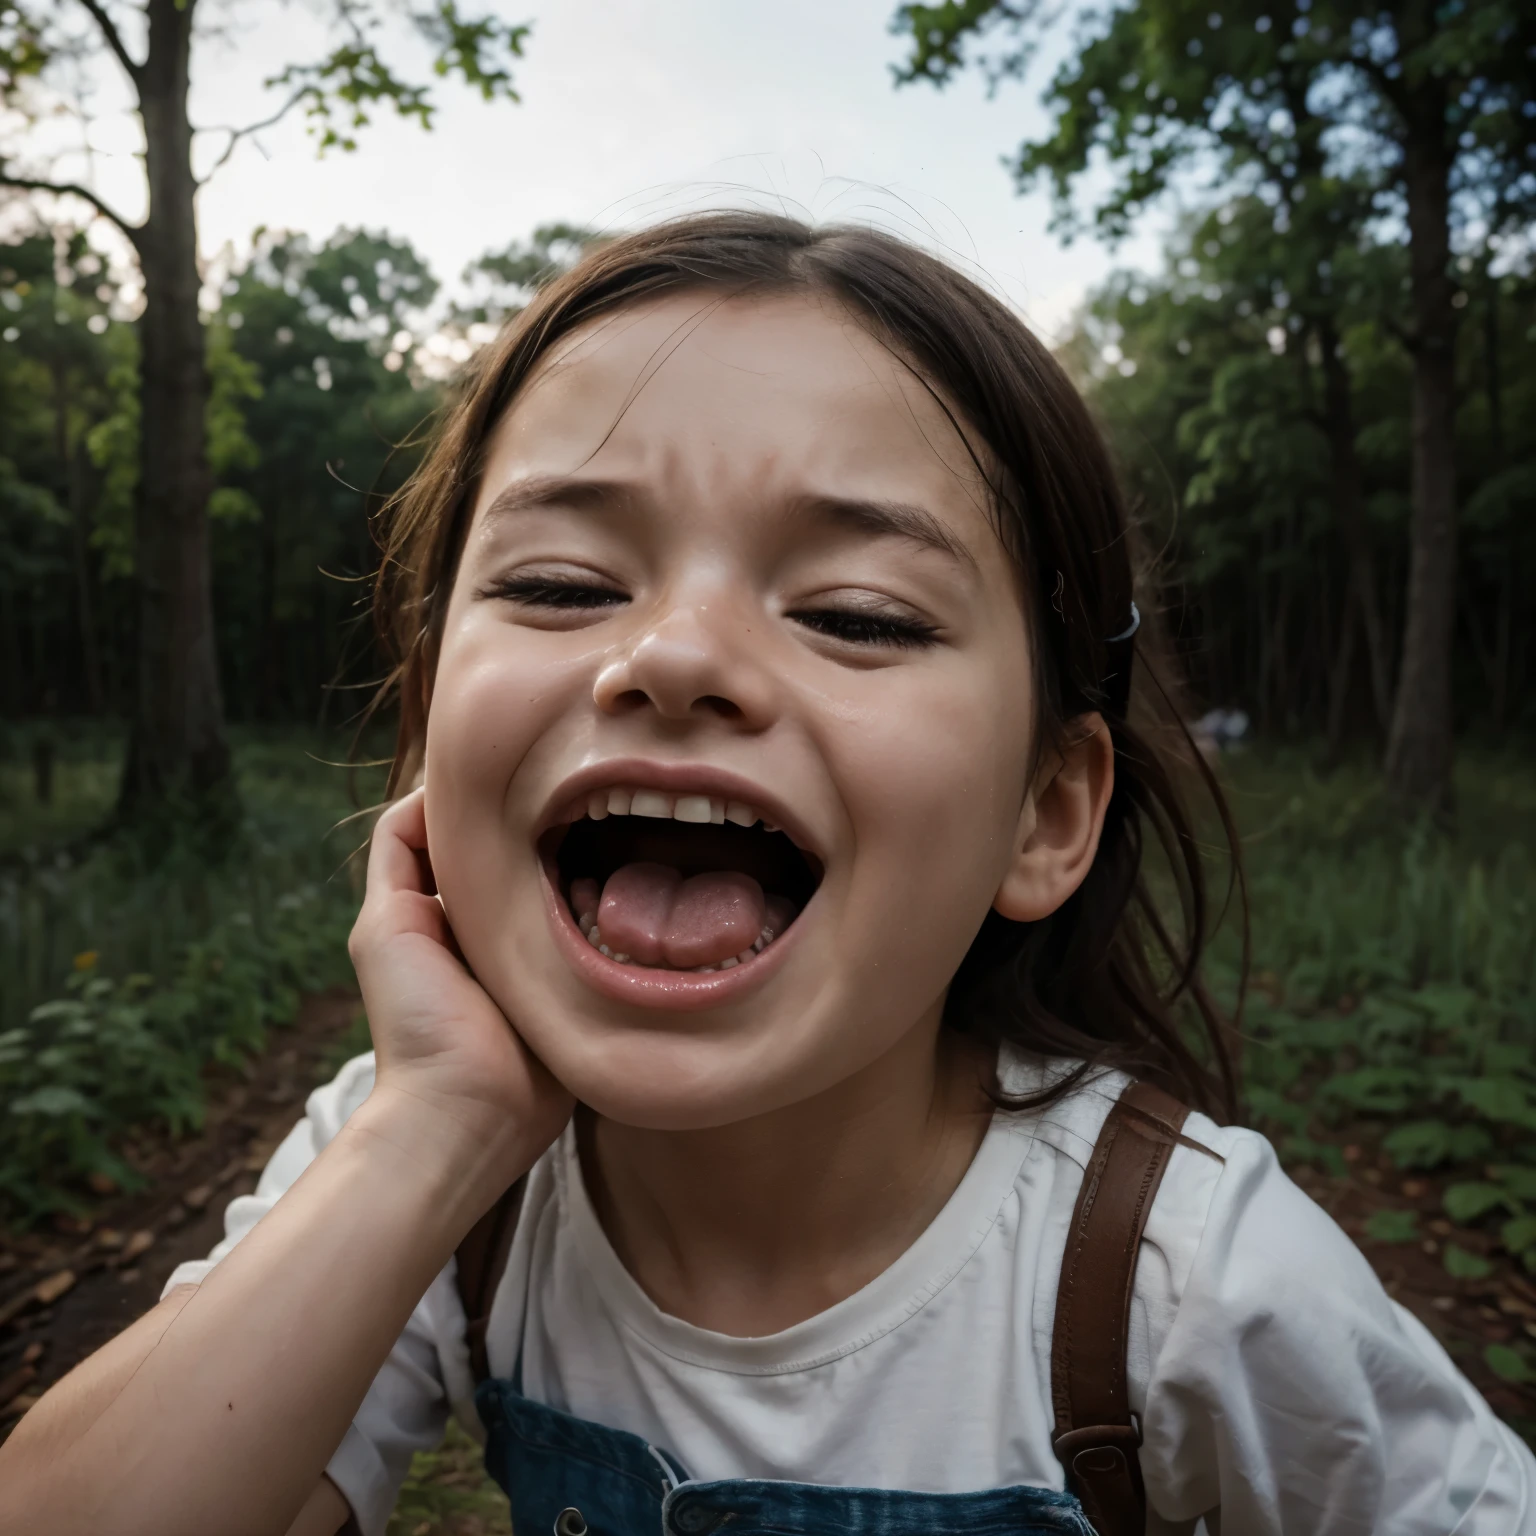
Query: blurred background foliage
{"type": "Point", "coordinates": [321, 387]}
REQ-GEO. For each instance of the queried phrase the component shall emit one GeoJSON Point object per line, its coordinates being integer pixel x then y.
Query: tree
{"type": "Point", "coordinates": [177, 748]}
{"type": "Point", "coordinates": [1432, 105]}
{"type": "Point", "coordinates": [328, 330]}
{"type": "Point", "coordinates": [57, 298]}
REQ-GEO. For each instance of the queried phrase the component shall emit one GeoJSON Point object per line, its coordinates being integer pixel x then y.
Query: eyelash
{"type": "Point", "coordinates": [835, 623]}
{"type": "Point", "coordinates": [865, 628]}
{"type": "Point", "coordinates": [543, 593]}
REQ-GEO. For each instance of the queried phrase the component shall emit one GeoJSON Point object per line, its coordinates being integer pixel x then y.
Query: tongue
{"type": "Point", "coordinates": [650, 913]}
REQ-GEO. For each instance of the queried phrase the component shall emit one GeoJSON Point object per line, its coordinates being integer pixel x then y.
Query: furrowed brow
{"type": "Point", "coordinates": [557, 491]}
{"type": "Point", "coordinates": [892, 520]}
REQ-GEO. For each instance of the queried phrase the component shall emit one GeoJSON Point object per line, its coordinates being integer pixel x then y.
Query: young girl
{"type": "Point", "coordinates": [762, 902]}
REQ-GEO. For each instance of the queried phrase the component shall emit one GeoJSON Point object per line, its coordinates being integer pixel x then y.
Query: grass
{"type": "Point", "coordinates": [448, 1493]}
{"type": "Point", "coordinates": [1393, 1012]}
{"type": "Point", "coordinates": [1347, 901]}
{"type": "Point", "coordinates": [62, 895]}
{"type": "Point", "coordinates": [124, 971]}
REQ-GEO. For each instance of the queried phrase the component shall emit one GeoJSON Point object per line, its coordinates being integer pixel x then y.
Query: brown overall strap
{"type": "Point", "coordinates": [1095, 1436]}
{"type": "Point", "coordinates": [482, 1260]}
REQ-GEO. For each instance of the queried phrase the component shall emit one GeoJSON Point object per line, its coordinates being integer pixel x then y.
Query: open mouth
{"type": "Point", "coordinates": [677, 882]}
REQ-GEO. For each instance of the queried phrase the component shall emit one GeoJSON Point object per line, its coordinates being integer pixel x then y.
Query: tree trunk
{"type": "Point", "coordinates": [177, 754]}
{"type": "Point", "coordinates": [1345, 486]}
{"type": "Point", "coordinates": [69, 463]}
{"type": "Point", "coordinates": [1419, 745]}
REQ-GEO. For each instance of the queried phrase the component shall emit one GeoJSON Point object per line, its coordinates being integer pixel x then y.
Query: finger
{"type": "Point", "coordinates": [401, 834]}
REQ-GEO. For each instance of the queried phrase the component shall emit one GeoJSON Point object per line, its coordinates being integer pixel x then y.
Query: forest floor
{"type": "Point", "coordinates": [73, 1280]}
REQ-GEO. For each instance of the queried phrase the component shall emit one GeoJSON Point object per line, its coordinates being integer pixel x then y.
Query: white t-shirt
{"type": "Point", "coordinates": [1280, 1390]}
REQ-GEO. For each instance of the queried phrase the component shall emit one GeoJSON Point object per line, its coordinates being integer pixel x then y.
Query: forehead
{"type": "Point", "coordinates": [772, 396]}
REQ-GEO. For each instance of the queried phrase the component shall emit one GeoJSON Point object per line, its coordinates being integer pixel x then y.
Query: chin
{"type": "Point", "coordinates": [681, 1079]}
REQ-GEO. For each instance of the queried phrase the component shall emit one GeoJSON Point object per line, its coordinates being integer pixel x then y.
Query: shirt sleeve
{"type": "Point", "coordinates": [406, 1408]}
{"type": "Point", "coordinates": [1291, 1396]}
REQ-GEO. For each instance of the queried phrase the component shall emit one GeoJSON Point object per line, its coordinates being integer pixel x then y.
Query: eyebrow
{"type": "Point", "coordinates": [891, 520]}
{"type": "Point", "coordinates": [557, 491]}
{"type": "Point", "coordinates": [877, 518]}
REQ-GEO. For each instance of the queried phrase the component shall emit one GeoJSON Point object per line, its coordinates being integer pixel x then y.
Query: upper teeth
{"type": "Point", "coordinates": [665, 807]}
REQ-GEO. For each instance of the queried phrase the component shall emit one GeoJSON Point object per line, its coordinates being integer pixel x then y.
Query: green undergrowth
{"type": "Point", "coordinates": [1394, 985]}
{"type": "Point", "coordinates": [125, 971]}
{"type": "Point", "coordinates": [448, 1493]}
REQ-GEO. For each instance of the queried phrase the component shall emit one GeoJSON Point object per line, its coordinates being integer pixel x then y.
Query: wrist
{"type": "Point", "coordinates": [457, 1158]}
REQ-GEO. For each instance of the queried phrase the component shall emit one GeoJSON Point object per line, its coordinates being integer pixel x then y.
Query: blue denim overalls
{"type": "Point", "coordinates": [569, 1477]}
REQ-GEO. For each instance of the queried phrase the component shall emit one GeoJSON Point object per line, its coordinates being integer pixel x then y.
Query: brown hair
{"type": "Point", "coordinates": [1104, 980]}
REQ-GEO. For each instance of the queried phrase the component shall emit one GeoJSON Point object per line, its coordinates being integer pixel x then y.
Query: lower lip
{"type": "Point", "coordinates": [650, 987]}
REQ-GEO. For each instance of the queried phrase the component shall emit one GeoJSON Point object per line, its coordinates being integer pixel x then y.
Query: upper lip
{"type": "Point", "coordinates": [678, 779]}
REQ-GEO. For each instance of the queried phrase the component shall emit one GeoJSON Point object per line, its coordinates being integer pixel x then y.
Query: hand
{"type": "Point", "coordinates": [442, 1044]}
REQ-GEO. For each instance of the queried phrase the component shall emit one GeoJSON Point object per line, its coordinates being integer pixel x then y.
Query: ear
{"type": "Point", "coordinates": [1060, 823]}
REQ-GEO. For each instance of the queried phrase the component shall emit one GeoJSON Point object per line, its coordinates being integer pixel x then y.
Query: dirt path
{"type": "Point", "coordinates": [66, 1290]}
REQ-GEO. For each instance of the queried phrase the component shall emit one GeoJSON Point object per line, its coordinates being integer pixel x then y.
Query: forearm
{"type": "Point", "coordinates": [220, 1413]}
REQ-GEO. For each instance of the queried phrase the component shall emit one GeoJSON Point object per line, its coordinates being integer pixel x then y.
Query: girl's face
{"type": "Point", "coordinates": [729, 563]}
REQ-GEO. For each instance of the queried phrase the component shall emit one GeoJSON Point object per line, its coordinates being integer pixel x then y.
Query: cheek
{"type": "Point", "coordinates": [496, 695]}
{"type": "Point", "coordinates": [936, 779]}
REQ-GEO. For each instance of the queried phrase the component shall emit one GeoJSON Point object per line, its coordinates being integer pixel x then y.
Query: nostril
{"type": "Point", "coordinates": [722, 707]}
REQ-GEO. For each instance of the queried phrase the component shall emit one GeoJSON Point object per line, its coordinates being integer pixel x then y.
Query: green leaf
{"type": "Point", "coordinates": [1378, 1090]}
{"type": "Point", "coordinates": [1461, 1265]}
{"type": "Point", "coordinates": [1501, 1099]}
{"type": "Point", "coordinates": [1520, 1182]}
{"type": "Point", "coordinates": [1419, 1144]}
{"type": "Point", "coordinates": [1506, 1364]}
{"type": "Point", "coordinates": [1466, 1202]}
{"type": "Point", "coordinates": [52, 1100]}
{"type": "Point", "coordinates": [1519, 1234]}
{"type": "Point", "coordinates": [1393, 1226]}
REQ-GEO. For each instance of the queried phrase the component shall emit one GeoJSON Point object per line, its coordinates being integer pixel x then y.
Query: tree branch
{"type": "Point", "coordinates": [72, 189]}
{"type": "Point", "coordinates": [114, 38]}
{"type": "Point", "coordinates": [236, 134]}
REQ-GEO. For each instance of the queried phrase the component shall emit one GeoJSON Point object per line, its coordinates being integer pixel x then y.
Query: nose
{"type": "Point", "coordinates": [691, 661]}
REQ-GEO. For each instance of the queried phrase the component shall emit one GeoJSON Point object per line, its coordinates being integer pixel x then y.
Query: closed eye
{"type": "Point", "coordinates": [543, 592]}
{"type": "Point", "coordinates": [856, 628]}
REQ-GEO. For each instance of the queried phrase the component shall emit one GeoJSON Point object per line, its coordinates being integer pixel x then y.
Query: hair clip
{"type": "Point", "coordinates": [1129, 630]}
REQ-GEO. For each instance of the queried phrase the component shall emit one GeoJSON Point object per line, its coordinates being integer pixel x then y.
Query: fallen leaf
{"type": "Point", "coordinates": [102, 1184]}
{"type": "Point", "coordinates": [1506, 1364]}
{"type": "Point", "coordinates": [196, 1199]}
{"type": "Point", "coordinates": [33, 1352]}
{"type": "Point", "coordinates": [141, 1242]}
{"type": "Point", "coordinates": [109, 1237]}
{"type": "Point", "coordinates": [48, 1291]}
{"type": "Point", "coordinates": [21, 1404]}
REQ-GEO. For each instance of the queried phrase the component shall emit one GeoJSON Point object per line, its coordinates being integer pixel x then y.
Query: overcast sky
{"type": "Point", "coordinates": [633, 110]}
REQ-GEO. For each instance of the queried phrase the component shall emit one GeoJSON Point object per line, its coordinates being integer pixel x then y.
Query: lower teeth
{"type": "Point", "coordinates": [594, 937]}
